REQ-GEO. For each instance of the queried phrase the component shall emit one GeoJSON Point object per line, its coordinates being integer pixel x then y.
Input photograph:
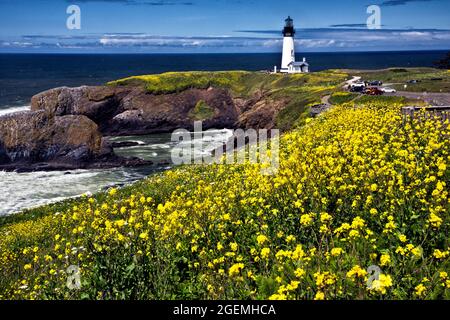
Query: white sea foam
{"type": "Point", "coordinates": [13, 110]}
{"type": "Point", "coordinates": [19, 191]}
{"type": "Point", "coordinates": [25, 190]}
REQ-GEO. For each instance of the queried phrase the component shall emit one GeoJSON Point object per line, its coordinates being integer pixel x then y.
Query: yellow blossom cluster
{"type": "Point", "coordinates": [359, 186]}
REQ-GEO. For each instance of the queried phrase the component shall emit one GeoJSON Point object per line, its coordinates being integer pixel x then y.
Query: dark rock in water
{"type": "Point", "coordinates": [131, 110]}
{"type": "Point", "coordinates": [119, 162]}
{"type": "Point", "coordinates": [3, 155]}
{"type": "Point", "coordinates": [39, 141]}
{"type": "Point", "coordinates": [164, 162]}
{"type": "Point", "coordinates": [36, 137]}
{"type": "Point", "coordinates": [124, 144]}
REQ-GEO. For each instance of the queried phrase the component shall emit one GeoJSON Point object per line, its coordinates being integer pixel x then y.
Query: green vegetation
{"type": "Point", "coordinates": [342, 97]}
{"type": "Point", "coordinates": [356, 187]}
{"type": "Point", "coordinates": [294, 114]}
{"type": "Point", "coordinates": [430, 80]}
{"type": "Point", "coordinates": [241, 83]}
{"type": "Point", "coordinates": [298, 90]}
{"type": "Point", "coordinates": [381, 99]}
{"type": "Point", "coordinates": [365, 99]}
{"type": "Point", "coordinates": [201, 111]}
{"type": "Point", "coordinates": [425, 86]}
{"type": "Point", "coordinates": [349, 194]}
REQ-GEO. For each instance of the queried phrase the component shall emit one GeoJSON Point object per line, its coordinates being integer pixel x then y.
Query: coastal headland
{"type": "Point", "coordinates": [68, 128]}
{"type": "Point", "coordinates": [361, 186]}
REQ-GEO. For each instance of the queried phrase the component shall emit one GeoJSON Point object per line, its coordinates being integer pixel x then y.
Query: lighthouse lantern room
{"type": "Point", "coordinates": [288, 63]}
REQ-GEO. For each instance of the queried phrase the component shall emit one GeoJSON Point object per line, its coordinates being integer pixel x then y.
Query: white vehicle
{"type": "Point", "coordinates": [388, 90]}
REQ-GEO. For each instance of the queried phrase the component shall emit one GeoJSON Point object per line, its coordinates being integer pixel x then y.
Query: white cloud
{"type": "Point", "coordinates": [316, 43]}
{"type": "Point", "coordinates": [326, 39]}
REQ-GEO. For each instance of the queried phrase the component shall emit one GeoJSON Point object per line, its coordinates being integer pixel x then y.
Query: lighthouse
{"type": "Point", "coordinates": [288, 63]}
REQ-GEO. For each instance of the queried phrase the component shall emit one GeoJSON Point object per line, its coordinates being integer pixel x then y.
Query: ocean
{"type": "Point", "coordinates": [24, 75]}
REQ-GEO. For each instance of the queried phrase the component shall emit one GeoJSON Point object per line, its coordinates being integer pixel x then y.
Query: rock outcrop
{"type": "Point", "coordinates": [36, 140]}
{"type": "Point", "coordinates": [132, 111]}
{"type": "Point", "coordinates": [66, 126]}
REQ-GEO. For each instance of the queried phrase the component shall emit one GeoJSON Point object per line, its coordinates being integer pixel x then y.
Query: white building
{"type": "Point", "coordinates": [288, 63]}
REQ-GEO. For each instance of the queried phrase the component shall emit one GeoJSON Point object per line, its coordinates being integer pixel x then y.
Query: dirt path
{"type": "Point", "coordinates": [326, 100]}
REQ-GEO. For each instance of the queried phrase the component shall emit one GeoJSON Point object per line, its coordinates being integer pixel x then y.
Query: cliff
{"type": "Point", "coordinates": [66, 126]}
{"type": "Point", "coordinates": [131, 110]}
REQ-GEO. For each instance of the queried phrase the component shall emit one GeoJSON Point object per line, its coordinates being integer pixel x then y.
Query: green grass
{"type": "Point", "coordinates": [342, 97]}
{"type": "Point", "coordinates": [201, 200]}
{"type": "Point", "coordinates": [380, 99]}
{"type": "Point", "coordinates": [296, 111]}
{"type": "Point", "coordinates": [365, 99]}
{"type": "Point", "coordinates": [425, 86]}
{"type": "Point", "coordinates": [240, 83]}
{"type": "Point", "coordinates": [120, 264]}
{"type": "Point", "coordinates": [298, 90]}
{"type": "Point", "coordinates": [201, 111]}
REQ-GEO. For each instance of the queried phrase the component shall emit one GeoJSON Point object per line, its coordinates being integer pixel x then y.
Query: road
{"type": "Point", "coordinates": [351, 81]}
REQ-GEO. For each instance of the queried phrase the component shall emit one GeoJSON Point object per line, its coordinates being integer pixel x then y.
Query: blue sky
{"type": "Point", "coordinates": [195, 26]}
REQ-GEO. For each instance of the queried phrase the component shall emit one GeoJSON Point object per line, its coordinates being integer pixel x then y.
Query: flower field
{"type": "Point", "coordinates": [359, 188]}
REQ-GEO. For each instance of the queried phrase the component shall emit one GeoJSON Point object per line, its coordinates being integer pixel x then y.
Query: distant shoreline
{"type": "Point", "coordinates": [214, 53]}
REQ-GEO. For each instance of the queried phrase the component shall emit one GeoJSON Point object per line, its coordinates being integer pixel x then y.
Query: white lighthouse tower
{"type": "Point", "coordinates": [288, 63]}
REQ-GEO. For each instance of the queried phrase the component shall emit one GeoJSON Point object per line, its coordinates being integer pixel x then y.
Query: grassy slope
{"type": "Point", "coordinates": [300, 89]}
{"type": "Point", "coordinates": [303, 89]}
{"type": "Point", "coordinates": [350, 164]}
{"type": "Point", "coordinates": [191, 189]}
{"type": "Point", "coordinates": [241, 83]}
{"type": "Point", "coordinates": [201, 111]}
{"type": "Point", "coordinates": [342, 97]}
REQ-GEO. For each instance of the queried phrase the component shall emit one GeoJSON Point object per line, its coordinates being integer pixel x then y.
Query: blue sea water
{"type": "Point", "coordinates": [24, 75]}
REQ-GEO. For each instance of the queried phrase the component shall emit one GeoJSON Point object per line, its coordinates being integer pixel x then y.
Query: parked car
{"type": "Point", "coordinates": [388, 90]}
{"type": "Point", "coordinates": [373, 91]}
{"type": "Point", "coordinates": [375, 83]}
{"type": "Point", "coordinates": [357, 87]}
{"type": "Point", "coordinates": [413, 81]}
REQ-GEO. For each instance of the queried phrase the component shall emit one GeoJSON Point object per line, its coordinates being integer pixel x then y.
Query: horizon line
{"type": "Point", "coordinates": [206, 53]}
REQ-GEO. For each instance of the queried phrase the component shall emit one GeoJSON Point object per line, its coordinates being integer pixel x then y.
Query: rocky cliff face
{"type": "Point", "coordinates": [132, 111]}
{"type": "Point", "coordinates": [36, 137]}
{"type": "Point", "coordinates": [36, 140]}
{"type": "Point", "coordinates": [65, 126]}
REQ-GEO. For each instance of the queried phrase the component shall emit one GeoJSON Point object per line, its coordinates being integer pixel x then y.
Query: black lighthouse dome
{"type": "Point", "coordinates": [289, 30]}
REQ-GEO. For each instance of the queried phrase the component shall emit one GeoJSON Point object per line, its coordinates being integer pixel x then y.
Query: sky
{"type": "Point", "coordinates": [210, 26]}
